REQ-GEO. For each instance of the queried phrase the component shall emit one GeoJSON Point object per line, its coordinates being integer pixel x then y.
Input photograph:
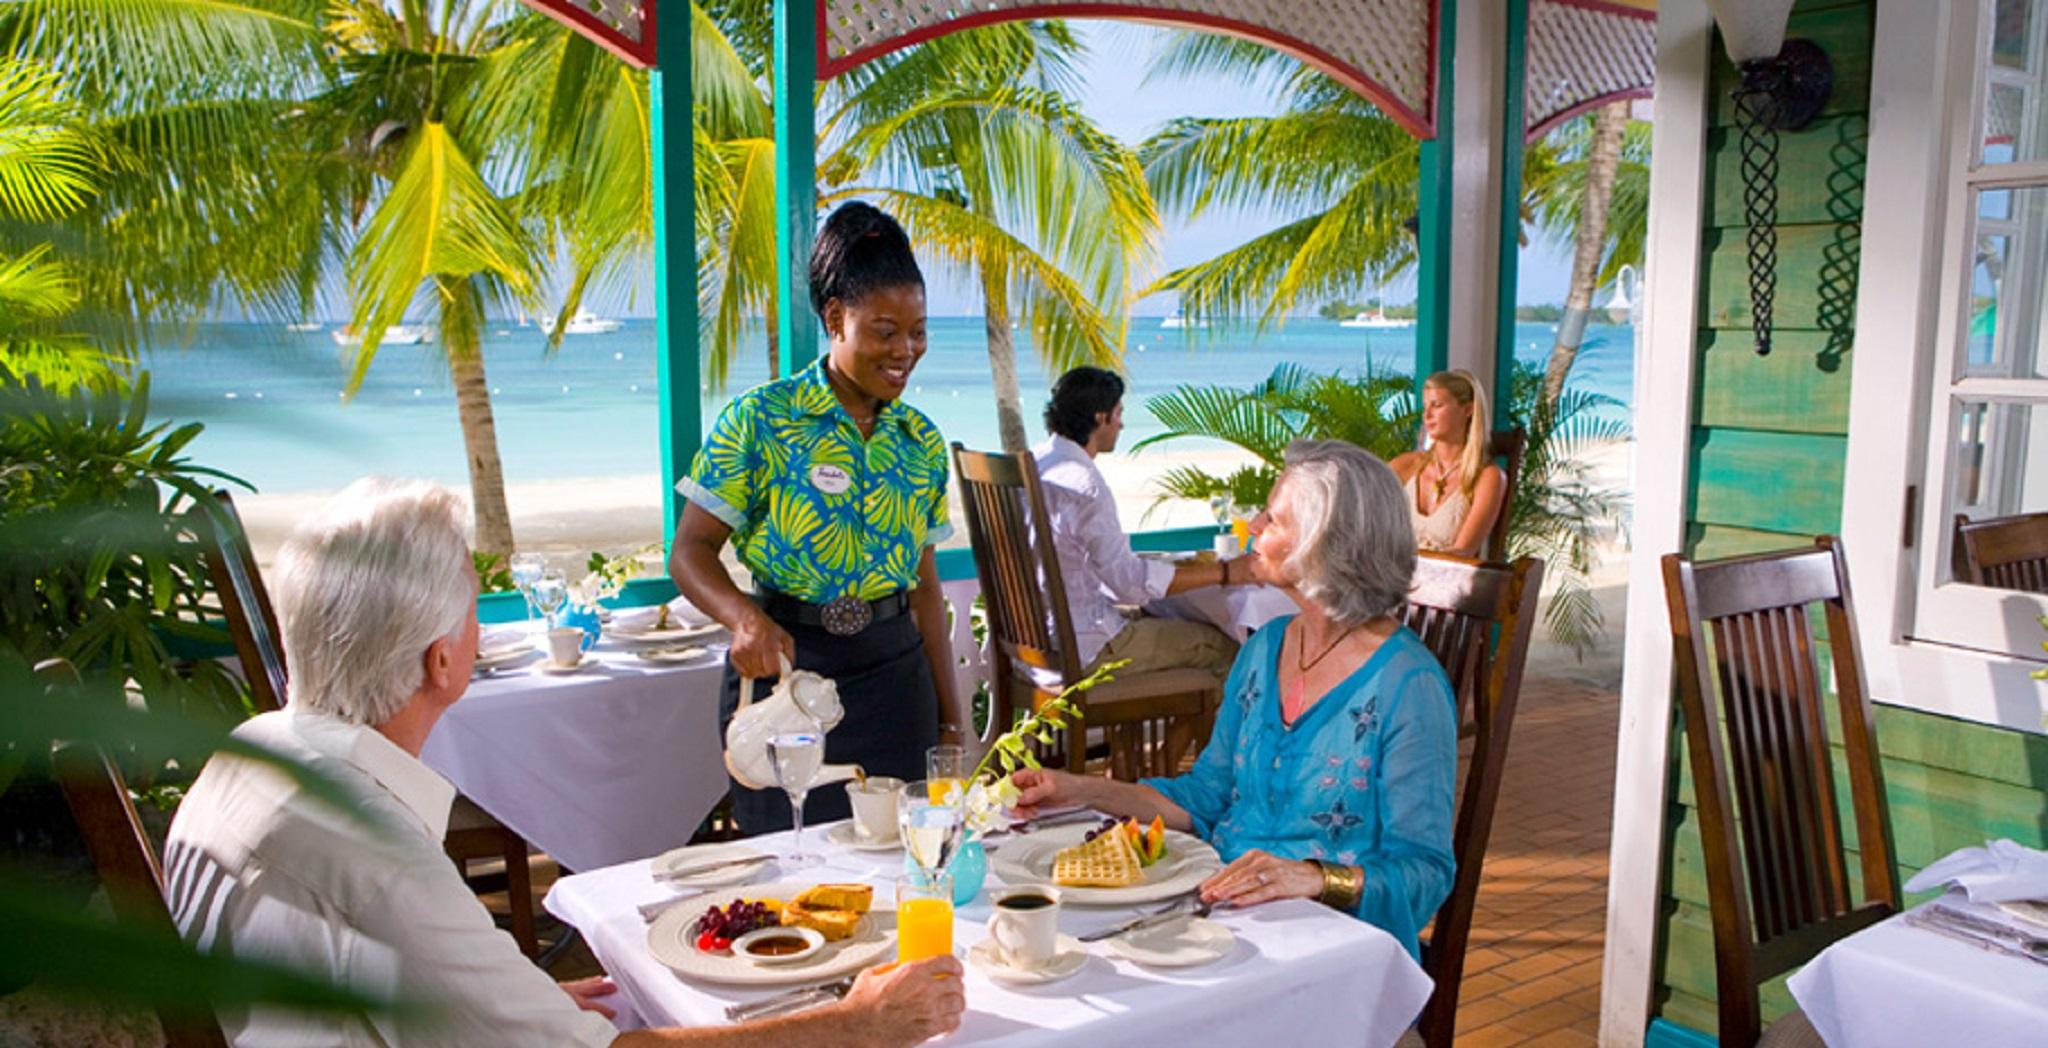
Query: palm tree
{"type": "Point", "coordinates": [969, 140]}
{"type": "Point", "coordinates": [47, 156]}
{"type": "Point", "coordinates": [1597, 180]}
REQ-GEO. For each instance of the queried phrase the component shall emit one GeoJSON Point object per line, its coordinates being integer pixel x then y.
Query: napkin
{"type": "Point", "coordinates": [497, 642]}
{"type": "Point", "coordinates": [681, 613]}
{"type": "Point", "coordinates": [2001, 871]}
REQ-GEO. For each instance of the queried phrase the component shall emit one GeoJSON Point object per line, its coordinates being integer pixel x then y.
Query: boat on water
{"type": "Point", "coordinates": [305, 327]}
{"type": "Point", "coordinates": [587, 323]}
{"type": "Point", "coordinates": [395, 335]}
{"type": "Point", "coordinates": [1175, 321]}
{"type": "Point", "coordinates": [1374, 318]}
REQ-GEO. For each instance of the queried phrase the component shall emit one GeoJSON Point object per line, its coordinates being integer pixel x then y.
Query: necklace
{"type": "Point", "coordinates": [1294, 700]}
{"type": "Point", "coordinates": [1443, 476]}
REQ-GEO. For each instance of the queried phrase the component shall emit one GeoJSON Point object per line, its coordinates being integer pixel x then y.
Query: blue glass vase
{"type": "Point", "coordinates": [969, 868]}
{"type": "Point", "coordinates": [576, 616]}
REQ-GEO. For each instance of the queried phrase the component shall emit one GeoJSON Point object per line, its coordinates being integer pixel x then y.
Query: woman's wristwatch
{"type": "Point", "coordinates": [1225, 565]}
{"type": "Point", "coordinates": [1343, 885]}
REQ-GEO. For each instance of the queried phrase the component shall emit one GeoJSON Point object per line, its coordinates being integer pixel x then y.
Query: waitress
{"type": "Point", "coordinates": [833, 493]}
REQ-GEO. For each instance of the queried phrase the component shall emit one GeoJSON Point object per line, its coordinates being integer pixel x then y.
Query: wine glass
{"type": "Point", "coordinates": [797, 756]}
{"type": "Point", "coordinates": [526, 570]}
{"type": "Point", "coordinates": [550, 592]}
{"type": "Point", "coordinates": [933, 819]}
{"type": "Point", "coordinates": [1220, 505]}
{"type": "Point", "coordinates": [945, 768]}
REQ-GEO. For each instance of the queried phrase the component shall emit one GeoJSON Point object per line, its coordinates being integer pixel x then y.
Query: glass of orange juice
{"type": "Point", "coordinates": [945, 769]}
{"type": "Point", "coordinates": [924, 916]}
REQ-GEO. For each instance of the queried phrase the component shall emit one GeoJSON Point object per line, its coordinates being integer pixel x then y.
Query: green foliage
{"type": "Point", "coordinates": [1016, 748]}
{"type": "Point", "coordinates": [1373, 409]}
{"type": "Point", "coordinates": [493, 573]}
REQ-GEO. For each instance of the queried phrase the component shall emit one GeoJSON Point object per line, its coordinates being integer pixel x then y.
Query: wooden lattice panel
{"type": "Point", "coordinates": [1380, 48]}
{"type": "Point", "coordinates": [1582, 53]}
{"type": "Point", "coordinates": [623, 27]}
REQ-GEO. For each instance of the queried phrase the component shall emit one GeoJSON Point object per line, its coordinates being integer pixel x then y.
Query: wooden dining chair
{"type": "Point", "coordinates": [1763, 774]}
{"type": "Point", "coordinates": [1477, 619]}
{"type": "Point", "coordinates": [122, 854]}
{"type": "Point", "coordinates": [474, 835]}
{"type": "Point", "coordinates": [2005, 552]}
{"type": "Point", "coordinates": [1150, 720]}
{"type": "Point", "coordinates": [1507, 445]}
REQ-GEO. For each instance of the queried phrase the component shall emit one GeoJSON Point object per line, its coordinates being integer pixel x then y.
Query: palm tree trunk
{"type": "Point", "coordinates": [774, 339]}
{"type": "Point", "coordinates": [462, 340]}
{"type": "Point", "coordinates": [1002, 358]}
{"type": "Point", "coordinates": [1601, 165]}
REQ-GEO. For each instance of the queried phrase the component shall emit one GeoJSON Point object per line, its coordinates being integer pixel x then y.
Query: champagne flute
{"type": "Point", "coordinates": [933, 821]}
{"type": "Point", "coordinates": [527, 569]}
{"type": "Point", "coordinates": [797, 756]}
{"type": "Point", "coordinates": [550, 592]}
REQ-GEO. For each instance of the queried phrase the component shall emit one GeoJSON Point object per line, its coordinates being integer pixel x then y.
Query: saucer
{"type": "Point", "coordinates": [689, 654]}
{"type": "Point", "coordinates": [563, 671]}
{"type": "Point", "coordinates": [1176, 944]}
{"type": "Point", "coordinates": [842, 834]}
{"type": "Point", "coordinates": [1070, 957]}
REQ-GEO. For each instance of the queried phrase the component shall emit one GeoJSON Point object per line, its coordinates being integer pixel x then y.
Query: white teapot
{"type": "Point", "coordinates": [801, 701]}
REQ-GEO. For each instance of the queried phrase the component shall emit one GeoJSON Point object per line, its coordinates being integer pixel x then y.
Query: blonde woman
{"type": "Point", "coordinates": [1454, 490]}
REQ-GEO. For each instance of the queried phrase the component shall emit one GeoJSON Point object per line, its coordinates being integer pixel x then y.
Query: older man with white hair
{"type": "Point", "coordinates": [377, 602]}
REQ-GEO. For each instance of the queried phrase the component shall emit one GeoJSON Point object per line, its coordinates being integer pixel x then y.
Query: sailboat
{"type": "Point", "coordinates": [1175, 321]}
{"type": "Point", "coordinates": [395, 335]}
{"type": "Point", "coordinates": [304, 327]}
{"type": "Point", "coordinates": [587, 323]}
{"type": "Point", "coordinates": [1375, 318]}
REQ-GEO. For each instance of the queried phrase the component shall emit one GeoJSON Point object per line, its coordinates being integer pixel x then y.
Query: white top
{"type": "Point", "coordinates": [1096, 561]}
{"type": "Point", "coordinates": [365, 899]}
{"type": "Point", "coordinates": [1437, 531]}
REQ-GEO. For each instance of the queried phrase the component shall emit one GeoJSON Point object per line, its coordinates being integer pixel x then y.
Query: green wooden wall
{"type": "Point", "coordinates": [1769, 438]}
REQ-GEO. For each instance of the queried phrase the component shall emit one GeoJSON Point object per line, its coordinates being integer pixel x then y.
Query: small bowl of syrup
{"type": "Point", "coordinates": [778, 945]}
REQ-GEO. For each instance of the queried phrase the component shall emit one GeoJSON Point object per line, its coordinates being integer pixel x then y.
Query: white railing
{"type": "Point", "coordinates": [970, 659]}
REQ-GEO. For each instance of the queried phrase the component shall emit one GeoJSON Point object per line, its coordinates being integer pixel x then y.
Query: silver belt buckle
{"type": "Point", "coordinates": [847, 616]}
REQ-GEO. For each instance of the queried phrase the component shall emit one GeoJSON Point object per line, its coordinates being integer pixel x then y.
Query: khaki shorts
{"type": "Point", "coordinates": [1170, 644]}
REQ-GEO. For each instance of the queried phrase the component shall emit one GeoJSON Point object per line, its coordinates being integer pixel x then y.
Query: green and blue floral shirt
{"type": "Point", "coordinates": [816, 511]}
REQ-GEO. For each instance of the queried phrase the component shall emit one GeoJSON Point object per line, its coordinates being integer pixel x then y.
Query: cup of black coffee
{"type": "Point", "coordinates": [1026, 925]}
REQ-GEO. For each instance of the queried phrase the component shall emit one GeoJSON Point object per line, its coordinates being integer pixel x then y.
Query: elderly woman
{"type": "Point", "coordinates": [1331, 770]}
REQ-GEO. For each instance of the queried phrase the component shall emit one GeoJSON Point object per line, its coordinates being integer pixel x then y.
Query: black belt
{"type": "Point", "coordinates": [843, 617]}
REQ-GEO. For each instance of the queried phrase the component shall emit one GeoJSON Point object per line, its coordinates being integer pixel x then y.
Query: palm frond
{"type": "Point", "coordinates": [48, 155]}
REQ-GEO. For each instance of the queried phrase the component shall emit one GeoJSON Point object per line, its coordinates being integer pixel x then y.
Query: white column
{"type": "Point", "coordinates": [1475, 134]}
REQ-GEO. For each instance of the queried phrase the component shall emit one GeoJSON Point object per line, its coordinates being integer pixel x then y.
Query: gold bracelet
{"type": "Point", "coordinates": [1342, 885]}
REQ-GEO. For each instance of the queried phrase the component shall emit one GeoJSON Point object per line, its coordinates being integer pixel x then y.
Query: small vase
{"type": "Point", "coordinates": [968, 869]}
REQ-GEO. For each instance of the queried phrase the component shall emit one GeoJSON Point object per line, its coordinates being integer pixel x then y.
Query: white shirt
{"type": "Point", "coordinates": [260, 868]}
{"type": "Point", "coordinates": [1096, 562]}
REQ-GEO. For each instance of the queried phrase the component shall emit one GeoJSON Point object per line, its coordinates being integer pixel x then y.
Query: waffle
{"type": "Point", "coordinates": [1108, 861]}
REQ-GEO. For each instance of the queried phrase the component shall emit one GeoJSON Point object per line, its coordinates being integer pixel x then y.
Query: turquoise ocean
{"type": "Point", "coordinates": [270, 398]}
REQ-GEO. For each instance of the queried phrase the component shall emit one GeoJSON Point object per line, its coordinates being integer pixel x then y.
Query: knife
{"type": "Point", "coordinates": [1930, 923]}
{"type": "Point", "coordinates": [1174, 913]}
{"type": "Point", "coordinates": [791, 1001]}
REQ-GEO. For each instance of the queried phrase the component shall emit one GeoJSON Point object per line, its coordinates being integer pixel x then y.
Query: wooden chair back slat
{"type": "Point", "coordinates": [245, 603]}
{"type": "Point", "coordinates": [1763, 775]}
{"type": "Point", "coordinates": [2004, 552]}
{"type": "Point", "coordinates": [123, 856]}
{"type": "Point", "coordinates": [1507, 445]}
{"type": "Point", "coordinates": [1029, 622]}
{"type": "Point", "coordinates": [1477, 618]}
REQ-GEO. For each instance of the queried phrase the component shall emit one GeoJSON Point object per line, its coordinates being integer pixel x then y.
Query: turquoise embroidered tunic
{"type": "Point", "coordinates": [1366, 777]}
{"type": "Point", "coordinates": [816, 511]}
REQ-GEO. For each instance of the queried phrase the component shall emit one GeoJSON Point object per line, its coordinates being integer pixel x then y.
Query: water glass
{"type": "Point", "coordinates": [932, 821]}
{"type": "Point", "coordinates": [550, 592]}
{"type": "Point", "coordinates": [526, 570]}
{"type": "Point", "coordinates": [945, 768]}
{"type": "Point", "coordinates": [797, 755]}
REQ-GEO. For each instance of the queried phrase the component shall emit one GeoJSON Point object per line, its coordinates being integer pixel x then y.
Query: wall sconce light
{"type": "Point", "coordinates": [1783, 87]}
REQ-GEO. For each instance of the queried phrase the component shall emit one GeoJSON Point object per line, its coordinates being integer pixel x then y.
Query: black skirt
{"type": "Point", "coordinates": [892, 715]}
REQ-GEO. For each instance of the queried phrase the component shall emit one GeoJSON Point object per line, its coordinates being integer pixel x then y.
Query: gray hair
{"type": "Point", "coordinates": [1354, 548]}
{"type": "Point", "coordinates": [364, 587]}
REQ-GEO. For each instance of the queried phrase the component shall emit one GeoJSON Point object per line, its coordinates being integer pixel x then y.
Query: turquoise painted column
{"type": "Point", "coordinates": [672, 152]}
{"type": "Point", "coordinates": [1433, 220]}
{"type": "Point", "coordinates": [796, 178]}
{"type": "Point", "coordinates": [1514, 67]}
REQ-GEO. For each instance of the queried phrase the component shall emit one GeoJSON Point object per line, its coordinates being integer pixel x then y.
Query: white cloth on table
{"type": "Point", "coordinates": [1238, 611]}
{"type": "Point", "coordinates": [618, 762]}
{"type": "Point", "coordinates": [2001, 871]}
{"type": "Point", "coordinates": [364, 899]}
{"type": "Point", "coordinates": [498, 641]}
{"type": "Point", "coordinates": [681, 613]}
{"type": "Point", "coordinates": [1097, 565]}
{"type": "Point", "coordinates": [1298, 972]}
{"type": "Point", "coordinates": [1893, 985]}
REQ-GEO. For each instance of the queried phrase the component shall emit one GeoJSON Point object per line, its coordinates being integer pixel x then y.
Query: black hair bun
{"type": "Point", "coordinates": [860, 249]}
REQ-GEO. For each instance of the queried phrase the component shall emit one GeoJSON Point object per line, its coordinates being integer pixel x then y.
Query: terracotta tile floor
{"type": "Point", "coordinates": [1532, 974]}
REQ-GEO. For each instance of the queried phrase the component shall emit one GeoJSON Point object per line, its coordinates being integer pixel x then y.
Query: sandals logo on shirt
{"type": "Point", "coordinates": [832, 480]}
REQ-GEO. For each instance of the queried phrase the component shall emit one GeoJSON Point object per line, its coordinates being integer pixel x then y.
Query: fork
{"type": "Point", "coordinates": [2033, 945]}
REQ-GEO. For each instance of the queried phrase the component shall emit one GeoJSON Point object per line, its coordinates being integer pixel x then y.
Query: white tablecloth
{"type": "Point", "coordinates": [1894, 984]}
{"type": "Point", "coordinates": [618, 762]}
{"type": "Point", "coordinates": [1301, 974]}
{"type": "Point", "coordinates": [1236, 610]}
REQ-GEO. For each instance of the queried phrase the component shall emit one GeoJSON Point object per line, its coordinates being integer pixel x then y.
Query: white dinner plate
{"type": "Point", "coordinates": [1070, 957]}
{"type": "Point", "coordinates": [1028, 860]}
{"type": "Point", "coordinates": [672, 939]}
{"type": "Point", "coordinates": [672, 635]}
{"type": "Point", "coordinates": [503, 657]}
{"type": "Point", "coordinates": [703, 855]}
{"type": "Point", "coordinates": [1176, 944]}
{"type": "Point", "coordinates": [688, 654]}
{"type": "Point", "coordinates": [842, 834]}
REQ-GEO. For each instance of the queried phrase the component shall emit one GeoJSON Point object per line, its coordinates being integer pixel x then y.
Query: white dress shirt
{"type": "Point", "coordinates": [1096, 562]}
{"type": "Point", "coordinates": [260, 868]}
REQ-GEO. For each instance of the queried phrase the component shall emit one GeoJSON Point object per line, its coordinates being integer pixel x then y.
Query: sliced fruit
{"type": "Point", "coordinates": [1155, 839]}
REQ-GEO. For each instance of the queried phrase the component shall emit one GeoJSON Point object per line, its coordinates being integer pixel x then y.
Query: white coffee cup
{"type": "Point", "coordinates": [1025, 927]}
{"type": "Point", "coordinates": [874, 807]}
{"type": "Point", "coordinates": [565, 646]}
{"type": "Point", "coordinates": [1226, 545]}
